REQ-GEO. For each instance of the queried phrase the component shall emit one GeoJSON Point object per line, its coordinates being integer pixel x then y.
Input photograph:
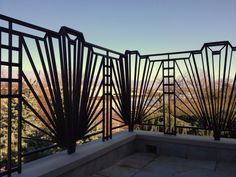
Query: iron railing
{"type": "Point", "coordinates": [58, 89]}
{"type": "Point", "coordinates": [194, 86]}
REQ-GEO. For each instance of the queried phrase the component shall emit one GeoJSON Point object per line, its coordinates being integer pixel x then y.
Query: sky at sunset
{"type": "Point", "coordinates": [150, 26]}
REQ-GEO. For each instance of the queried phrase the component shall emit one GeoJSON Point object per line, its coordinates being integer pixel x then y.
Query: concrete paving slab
{"type": "Point", "coordinates": [170, 160]}
{"type": "Point", "coordinates": [163, 170]}
{"type": "Point", "coordinates": [224, 174]}
{"type": "Point", "coordinates": [149, 165]}
{"type": "Point", "coordinates": [159, 172]}
{"type": "Point", "coordinates": [225, 166]}
{"type": "Point", "coordinates": [118, 171]}
{"type": "Point", "coordinates": [225, 169]}
{"type": "Point", "coordinates": [201, 172]}
{"type": "Point", "coordinates": [151, 174]}
{"type": "Point", "coordinates": [181, 164]}
{"type": "Point", "coordinates": [171, 164]}
{"type": "Point", "coordinates": [97, 175]}
{"type": "Point", "coordinates": [137, 160]}
{"type": "Point", "coordinates": [205, 164]}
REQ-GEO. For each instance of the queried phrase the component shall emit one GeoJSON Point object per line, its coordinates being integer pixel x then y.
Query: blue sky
{"type": "Point", "coordinates": [150, 26]}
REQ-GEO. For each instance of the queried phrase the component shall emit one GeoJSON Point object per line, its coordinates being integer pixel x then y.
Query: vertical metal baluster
{"type": "Point", "coordinates": [103, 95]}
{"type": "Point", "coordinates": [110, 91]}
{"type": "Point", "coordinates": [20, 106]}
{"type": "Point", "coordinates": [163, 91]}
{"type": "Point", "coordinates": [175, 131]}
{"type": "Point", "coordinates": [9, 141]}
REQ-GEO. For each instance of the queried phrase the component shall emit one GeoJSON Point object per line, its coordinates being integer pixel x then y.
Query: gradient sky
{"type": "Point", "coordinates": [150, 26]}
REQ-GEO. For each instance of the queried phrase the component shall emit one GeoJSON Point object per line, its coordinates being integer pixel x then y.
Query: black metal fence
{"type": "Point", "coordinates": [58, 89]}
{"type": "Point", "coordinates": [190, 89]}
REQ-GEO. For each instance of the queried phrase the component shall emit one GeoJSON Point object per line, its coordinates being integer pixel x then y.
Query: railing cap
{"type": "Point", "coordinates": [65, 29]}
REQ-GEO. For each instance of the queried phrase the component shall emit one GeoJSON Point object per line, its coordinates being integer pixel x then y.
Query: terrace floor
{"type": "Point", "coordinates": [150, 165]}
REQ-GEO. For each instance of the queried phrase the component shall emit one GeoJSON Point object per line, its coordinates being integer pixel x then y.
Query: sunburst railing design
{"type": "Point", "coordinates": [58, 90]}
{"type": "Point", "coordinates": [209, 83]}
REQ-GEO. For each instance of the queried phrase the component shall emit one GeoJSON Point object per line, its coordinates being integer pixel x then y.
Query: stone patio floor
{"type": "Point", "coordinates": [149, 165]}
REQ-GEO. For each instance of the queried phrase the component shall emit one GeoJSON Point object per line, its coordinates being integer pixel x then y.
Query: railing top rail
{"type": "Point", "coordinates": [26, 24]}
{"type": "Point", "coordinates": [171, 53]}
{"type": "Point", "coordinates": [103, 48]}
{"type": "Point", "coordinates": [63, 28]}
{"type": "Point", "coordinates": [209, 44]}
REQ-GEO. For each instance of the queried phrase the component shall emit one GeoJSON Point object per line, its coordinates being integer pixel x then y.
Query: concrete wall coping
{"type": "Point", "coordinates": [204, 141]}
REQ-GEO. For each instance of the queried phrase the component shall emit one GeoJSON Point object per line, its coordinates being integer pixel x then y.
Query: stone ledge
{"type": "Point", "coordinates": [225, 143]}
{"type": "Point", "coordinates": [60, 163]}
{"type": "Point", "coordinates": [187, 146]}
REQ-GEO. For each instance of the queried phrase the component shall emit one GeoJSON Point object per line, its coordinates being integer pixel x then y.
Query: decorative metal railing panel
{"type": "Point", "coordinates": [200, 87]}
{"type": "Point", "coordinates": [63, 90]}
{"type": "Point", "coordinates": [209, 80]}
{"type": "Point", "coordinates": [120, 92]}
{"type": "Point", "coordinates": [57, 90]}
{"type": "Point", "coordinates": [146, 90]}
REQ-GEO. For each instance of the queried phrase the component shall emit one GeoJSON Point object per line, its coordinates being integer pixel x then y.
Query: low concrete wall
{"type": "Point", "coordinates": [97, 155]}
{"type": "Point", "coordinates": [187, 146]}
{"type": "Point", "coordinates": [88, 158]}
